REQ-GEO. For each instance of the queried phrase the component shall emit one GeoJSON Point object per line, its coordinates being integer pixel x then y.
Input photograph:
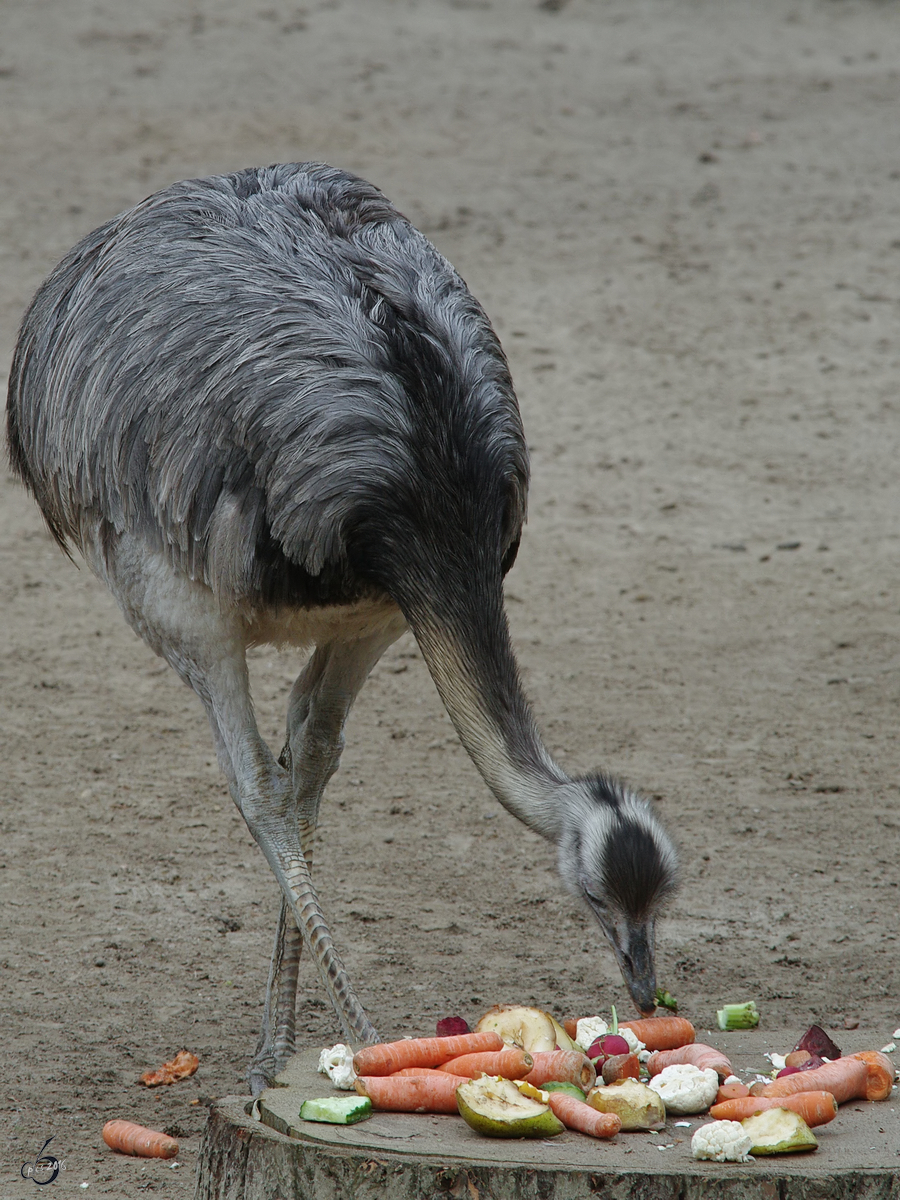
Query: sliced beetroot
{"type": "Point", "coordinates": [787, 1071]}
{"type": "Point", "coordinates": [452, 1027]}
{"type": "Point", "coordinates": [817, 1041]}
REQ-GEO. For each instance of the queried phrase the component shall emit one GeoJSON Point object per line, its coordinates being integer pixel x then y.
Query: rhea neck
{"type": "Point", "coordinates": [471, 660]}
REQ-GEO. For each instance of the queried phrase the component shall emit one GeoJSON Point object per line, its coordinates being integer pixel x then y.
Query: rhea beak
{"type": "Point", "coordinates": [638, 970]}
{"type": "Point", "coordinates": [632, 944]}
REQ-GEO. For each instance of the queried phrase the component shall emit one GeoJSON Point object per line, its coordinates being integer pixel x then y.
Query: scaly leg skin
{"type": "Point", "coordinates": [317, 711]}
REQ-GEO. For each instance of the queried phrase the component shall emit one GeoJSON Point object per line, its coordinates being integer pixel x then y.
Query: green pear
{"type": "Point", "coordinates": [497, 1108]}
{"type": "Point", "coordinates": [778, 1131]}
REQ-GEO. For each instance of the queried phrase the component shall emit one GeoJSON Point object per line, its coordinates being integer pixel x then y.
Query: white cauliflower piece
{"type": "Point", "coordinates": [588, 1030]}
{"type": "Point", "coordinates": [722, 1141]}
{"type": "Point", "coordinates": [337, 1064]}
{"type": "Point", "coordinates": [635, 1045]}
{"type": "Point", "coordinates": [685, 1089]}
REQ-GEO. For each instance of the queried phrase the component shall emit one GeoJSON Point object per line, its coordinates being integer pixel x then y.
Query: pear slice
{"type": "Point", "coordinates": [778, 1131]}
{"type": "Point", "coordinates": [636, 1105]}
{"type": "Point", "coordinates": [530, 1028]}
{"type": "Point", "coordinates": [495, 1107]}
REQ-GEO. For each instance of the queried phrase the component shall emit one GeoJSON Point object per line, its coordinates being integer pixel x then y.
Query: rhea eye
{"type": "Point", "coordinates": [590, 895]}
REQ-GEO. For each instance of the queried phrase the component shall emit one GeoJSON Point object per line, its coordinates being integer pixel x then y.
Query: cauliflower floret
{"type": "Point", "coordinates": [337, 1064]}
{"type": "Point", "coordinates": [685, 1089]}
{"type": "Point", "coordinates": [722, 1141]}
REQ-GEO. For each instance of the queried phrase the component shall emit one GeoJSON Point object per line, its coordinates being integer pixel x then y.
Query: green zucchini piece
{"type": "Point", "coordinates": [337, 1110]}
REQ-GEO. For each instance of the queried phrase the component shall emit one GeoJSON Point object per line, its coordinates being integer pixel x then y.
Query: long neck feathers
{"type": "Point", "coordinates": [471, 660]}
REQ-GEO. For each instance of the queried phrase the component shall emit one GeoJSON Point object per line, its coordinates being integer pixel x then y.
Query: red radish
{"type": "Point", "coordinates": [607, 1046]}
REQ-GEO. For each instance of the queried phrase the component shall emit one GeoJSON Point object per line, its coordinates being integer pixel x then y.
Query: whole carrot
{"type": "Point", "coordinates": [431, 1093]}
{"type": "Point", "coordinates": [563, 1066]}
{"type": "Point", "coordinates": [416, 1071]}
{"type": "Point", "coordinates": [511, 1063]}
{"type": "Point", "coordinates": [388, 1057]}
{"type": "Point", "coordinates": [661, 1033]}
{"type": "Point", "coordinates": [575, 1114]}
{"type": "Point", "coordinates": [881, 1072]}
{"type": "Point", "coordinates": [845, 1078]}
{"type": "Point", "coordinates": [128, 1138]}
{"type": "Point", "coordinates": [697, 1054]}
{"type": "Point", "coordinates": [816, 1108]}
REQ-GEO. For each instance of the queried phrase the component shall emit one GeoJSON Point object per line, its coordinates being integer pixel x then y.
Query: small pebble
{"type": "Point", "coordinates": [851, 1022]}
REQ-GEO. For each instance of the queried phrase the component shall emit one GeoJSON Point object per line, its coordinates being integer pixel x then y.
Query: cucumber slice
{"type": "Point", "coordinates": [337, 1110]}
{"type": "Point", "coordinates": [558, 1085]}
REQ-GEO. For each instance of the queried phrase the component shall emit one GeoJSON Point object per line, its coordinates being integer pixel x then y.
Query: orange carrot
{"type": "Point", "coordinates": [563, 1066]}
{"type": "Point", "coordinates": [880, 1079]}
{"type": "Point", "coordinates": [404, 1071]}
{"type": "Point", "coordinates": [845, 1078]}
{"type": "Point", "coordinates": [511, 1063]}
{"type": "Point", "coordinates": [816, 1108]}
{"type": "Point", "coordinates": [570, 1025]}
{"type": "Point", "coordinates": [697, 1054]}
{"type": "Point", "coordinates": [432, 1093]}
{"type": "Point", "coordinates": [182, 1066]}
{"type": "Point", "coordinates": [575, 1114]}
{"type": "Point", "coordinates": [661, 1033]}
{"type": "Point", "coordinates": [389, 1057]}
{"type": "Point", "coordinates": [128, 1138]}
{"type": "Point", "coordinates": [731, 1091]}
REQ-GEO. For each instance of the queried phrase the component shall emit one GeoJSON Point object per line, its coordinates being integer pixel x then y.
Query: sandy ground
{"type": "Point", "coordinates": [684, 219]}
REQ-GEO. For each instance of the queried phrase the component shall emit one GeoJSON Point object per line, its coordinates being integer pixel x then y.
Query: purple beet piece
{"type": "Point", "coordinates": [787, 1071]}
{"type": "Point", "coordinates": [452, 1027]}
{"type": "Point", "coordinates": [811, 1063]}
{"type": "Point", "coordinates": [817, 1041]}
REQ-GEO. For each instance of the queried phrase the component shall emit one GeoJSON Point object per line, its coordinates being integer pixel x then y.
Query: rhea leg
{"type": "Point", "coordinates": [318, 707]}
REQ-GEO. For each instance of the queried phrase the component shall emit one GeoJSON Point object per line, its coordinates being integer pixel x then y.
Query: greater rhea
{"type": "Point", "coordinates": [266, 410]}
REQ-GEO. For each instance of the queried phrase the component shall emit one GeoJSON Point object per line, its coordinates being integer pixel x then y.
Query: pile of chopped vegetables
{"type": "Point", "coordinates": [522, 1074]}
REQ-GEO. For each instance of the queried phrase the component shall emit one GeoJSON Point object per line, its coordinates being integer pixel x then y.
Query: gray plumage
{"type": "Point", "coordinates": [265, 408]}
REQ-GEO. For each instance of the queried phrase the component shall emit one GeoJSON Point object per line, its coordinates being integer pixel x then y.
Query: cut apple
{"type": "Point", "coordinates": [530, 1028]}
{"type": "Point", "coordinates": [496, 1107]}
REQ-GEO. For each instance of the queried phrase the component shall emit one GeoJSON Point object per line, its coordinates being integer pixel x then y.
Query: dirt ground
{"type": "Point", "coordinates": [684, 219]}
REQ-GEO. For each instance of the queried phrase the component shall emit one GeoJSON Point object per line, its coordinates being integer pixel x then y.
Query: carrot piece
{"type": "Point", "coordinates": [816, 1108]}
{"type": "Point", "coordinates": [511, 1063]}
{"type": "Point", "coordinates": [182, 1066]}
{"type": "Point", "coordinates": [575, 1114]}
{"type": "Point", "coordinates": [563, 1066]}
{"type": "Point", "coordinates": [432, 1093]}
{"type": "Point", "coordinates": [128, 1138]}
{"type": "Point", "coordinates": [661, 1033]}
{"type": "Point", "coordinates": [570, 1025]}
{"type": "Point", "coordinates": [845, 1078]}
{"type": "Point", "coordinates": [731, 1091]}
{"type": "Point", "coordinates": [881, 1071]}
{"type": "Point", "coordinates": [388, 1057]}
{"type": "Point", "coordinates": [697, 1054]}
